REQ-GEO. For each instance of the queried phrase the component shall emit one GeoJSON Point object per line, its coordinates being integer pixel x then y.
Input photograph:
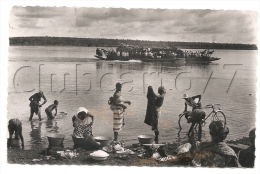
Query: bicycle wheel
{"type": "Point", "coordinates": [219, 116]}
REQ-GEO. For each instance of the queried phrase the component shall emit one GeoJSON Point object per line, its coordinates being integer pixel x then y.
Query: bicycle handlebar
{"type": "Point", "coordinates": [212, 105]}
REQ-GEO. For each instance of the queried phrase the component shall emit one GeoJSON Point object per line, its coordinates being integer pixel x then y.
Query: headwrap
{"type": "Point", "coordinates": [82, 109]}
{"type": "Point", "coordinates": [218, 130]}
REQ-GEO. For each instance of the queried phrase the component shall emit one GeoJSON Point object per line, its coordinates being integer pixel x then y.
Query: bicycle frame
{"type": "Point", "coordinates": [210, 114]}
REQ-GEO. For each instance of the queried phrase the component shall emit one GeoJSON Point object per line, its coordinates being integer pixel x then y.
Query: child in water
{"type": "Point", "coordinates": [49, 109]}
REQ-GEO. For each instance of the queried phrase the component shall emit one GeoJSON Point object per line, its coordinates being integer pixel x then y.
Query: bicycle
{"type": "Point", "coordinates": [217, 115]}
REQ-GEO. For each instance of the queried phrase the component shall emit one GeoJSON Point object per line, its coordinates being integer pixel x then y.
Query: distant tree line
{"type": "Point", "coordinates": [101, 42]}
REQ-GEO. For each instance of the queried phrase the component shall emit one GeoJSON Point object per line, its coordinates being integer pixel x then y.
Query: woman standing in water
{"type": "Point", "coordinates": [118, 108]}
{"type": "Point", "coordinates": [197, 115]}
{"type": "Point", "coordinates": [153, 112]}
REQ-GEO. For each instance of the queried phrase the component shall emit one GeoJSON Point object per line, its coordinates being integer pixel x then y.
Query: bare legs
{"type": "Point", "coordinates": [200, 129]}
{"type": "Point", "coordinates": [32, 112]}
{"type": "Point", "coordinates": [115, 136]}
{"type": "Point", "coordinates": [156, 139]}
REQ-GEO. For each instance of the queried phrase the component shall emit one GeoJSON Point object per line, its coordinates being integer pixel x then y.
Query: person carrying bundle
{"type": "Point", "coordinates": [117, 105]}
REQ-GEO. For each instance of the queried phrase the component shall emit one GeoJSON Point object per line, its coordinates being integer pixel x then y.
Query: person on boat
{"type": "Point", "coordinates": [97, 51]}
{"type": "Point", "coordinates": [203, 53]}
{"type": "Point", "coordinates": [50, 108]}
{"type": "Point", "coordinates": [153, 112]}
{"type": "Point", "coordinates": [247, 156]}
{"type": "Point", "coordinates": [215, 153]}
{"type": "Point", "coordinates": [83, 129]}
{"type": "Point", "coordinates": [35, 104]}
{"type": "Point", "coordinates": [197, 115]}
{"type": "Point", "coordinates": [118, 107]}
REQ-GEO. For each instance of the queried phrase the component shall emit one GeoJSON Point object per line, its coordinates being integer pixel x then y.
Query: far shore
{"type": "Point", "coordinates": [103, 42]}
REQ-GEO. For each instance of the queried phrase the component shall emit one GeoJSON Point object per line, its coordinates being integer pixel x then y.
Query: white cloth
{"type": "Point", "coordinates": [81, 109]}
{"type": "Point", "coordinates": [183, 148]}
{"type": "Point", "coordinates": [78, 121]}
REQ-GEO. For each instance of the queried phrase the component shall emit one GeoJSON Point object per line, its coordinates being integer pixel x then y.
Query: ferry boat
{"type": "Point", "coordinates": [129, 52]}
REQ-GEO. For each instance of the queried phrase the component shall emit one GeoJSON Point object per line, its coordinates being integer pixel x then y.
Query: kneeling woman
{"type": "Point", "coordinates": [83, 129]}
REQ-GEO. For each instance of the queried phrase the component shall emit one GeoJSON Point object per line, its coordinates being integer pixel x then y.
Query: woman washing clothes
{"type": "Point", "coordinates": [83, 129]}
{"type": "Point", "coordinates": [153, 109]}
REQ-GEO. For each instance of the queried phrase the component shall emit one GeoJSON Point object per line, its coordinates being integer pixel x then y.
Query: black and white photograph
{"type": "Point", "coordinates": [116, 84]}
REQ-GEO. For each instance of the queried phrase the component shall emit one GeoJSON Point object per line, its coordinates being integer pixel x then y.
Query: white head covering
{"type": "Point", "coordinates": [81, 109]}
{"type": "Point", "coordinates": [78, 121]}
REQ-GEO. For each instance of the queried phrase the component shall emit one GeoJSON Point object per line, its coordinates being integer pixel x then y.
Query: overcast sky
{"type": "Point", "coordinates": [225, 26]}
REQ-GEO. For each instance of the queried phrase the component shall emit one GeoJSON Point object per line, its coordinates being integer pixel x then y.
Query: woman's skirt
{"type": "Point", "coordinates": [118, 118]}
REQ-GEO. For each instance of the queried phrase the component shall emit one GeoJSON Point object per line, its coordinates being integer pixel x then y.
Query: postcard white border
{"type": "Point", "coordinates": [5, 10]}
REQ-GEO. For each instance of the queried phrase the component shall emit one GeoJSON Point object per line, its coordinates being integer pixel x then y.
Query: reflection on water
{"type": "Point", "coordinates": [92, 83]}
{"type": "Point", "coordinates": [52, 126]}
{"type": "Point", "coordinates": [35, 134]}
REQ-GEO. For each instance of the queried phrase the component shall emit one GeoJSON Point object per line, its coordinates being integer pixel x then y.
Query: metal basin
{"type": "Point", "coordinates": [55, 139]}
{"type": "Point", "coordinates": [146, 139]}
{"type": "Point", "coordinates": [103, 140]}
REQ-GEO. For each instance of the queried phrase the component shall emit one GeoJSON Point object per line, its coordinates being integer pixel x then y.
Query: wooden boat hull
{"type": "Point", "coordinates": [160, 59]}
{"type": "Point", "coordinates": [201, 59]}
{"type": "Point", "coordinates": [143, 59]}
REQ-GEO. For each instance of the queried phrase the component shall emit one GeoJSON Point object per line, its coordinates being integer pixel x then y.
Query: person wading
{"type": "Point", "coordinates": [197, 115]}
{"type": "Point", "coordinates": [153, 112]}
{"type": "Point", "coordinates": [117, 106]}
{"type": "Point", "coordinates": [35, 104]}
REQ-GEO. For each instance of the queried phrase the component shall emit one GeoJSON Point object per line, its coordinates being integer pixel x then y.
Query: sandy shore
{"type": "Point", "coordinates": [51, 157]}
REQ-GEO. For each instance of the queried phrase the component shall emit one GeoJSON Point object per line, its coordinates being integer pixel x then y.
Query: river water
{"type": "Point", "coordinates": [75, 78]}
